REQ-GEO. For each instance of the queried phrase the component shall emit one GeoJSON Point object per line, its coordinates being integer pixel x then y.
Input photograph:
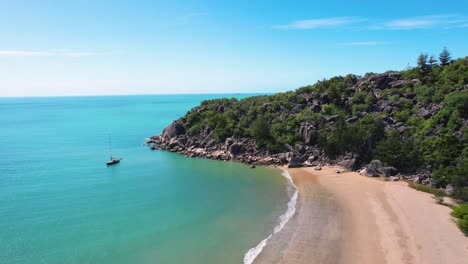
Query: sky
{"type": "Point", "coordinates": [64, 48]}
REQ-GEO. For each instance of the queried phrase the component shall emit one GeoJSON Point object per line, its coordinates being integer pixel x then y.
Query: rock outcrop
{"type": "Point", "coordinates": [375, 168]}
{"type": "Point", "coordinates": [384, 96]}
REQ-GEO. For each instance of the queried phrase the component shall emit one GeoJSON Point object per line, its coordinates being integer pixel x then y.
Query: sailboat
{"type": "Point", "coordinates": [112, 160]}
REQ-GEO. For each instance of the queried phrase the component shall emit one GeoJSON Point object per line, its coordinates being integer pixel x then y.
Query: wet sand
{"type": "Point", "coordinates": [348, 218]}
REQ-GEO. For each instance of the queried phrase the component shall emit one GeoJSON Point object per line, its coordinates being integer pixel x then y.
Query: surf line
{"type": "Point", "coordinates": [250, 256]}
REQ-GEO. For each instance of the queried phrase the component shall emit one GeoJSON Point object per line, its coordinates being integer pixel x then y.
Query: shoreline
{"type": "Point", "coordinates": [349, 218]}
{"type": "Point", "coordinates": [253, 253]}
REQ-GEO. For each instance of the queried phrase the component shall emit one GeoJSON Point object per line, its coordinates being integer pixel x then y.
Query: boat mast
{"type": "Point", "coordinates": [110, 147]}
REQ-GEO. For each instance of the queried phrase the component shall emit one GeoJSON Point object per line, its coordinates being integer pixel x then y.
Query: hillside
{"type": "Point", "coordinates": [414, 121]}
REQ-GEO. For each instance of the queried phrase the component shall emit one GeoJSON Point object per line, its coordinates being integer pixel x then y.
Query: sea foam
{"type": "Point", "coordinates": [250, 256]}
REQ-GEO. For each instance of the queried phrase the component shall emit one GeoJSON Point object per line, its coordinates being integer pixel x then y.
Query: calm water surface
{"type": "Point", "coordinates": [59, 203]}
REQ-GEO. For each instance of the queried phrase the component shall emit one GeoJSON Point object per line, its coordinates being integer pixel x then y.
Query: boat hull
{"type": "Point", "coordinates": [112, 162]}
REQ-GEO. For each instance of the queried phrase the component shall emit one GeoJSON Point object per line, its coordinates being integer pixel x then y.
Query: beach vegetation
{"type": "Point", "coordinates": [439, 199]}
{"type": "Point", "coordinates": [461, 214]}
{"type": "Point", "coordinates": [428, 189]}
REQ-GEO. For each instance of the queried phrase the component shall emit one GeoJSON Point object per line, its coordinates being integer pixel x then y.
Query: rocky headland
{"type": "Point", "coordinates": [391, 101]}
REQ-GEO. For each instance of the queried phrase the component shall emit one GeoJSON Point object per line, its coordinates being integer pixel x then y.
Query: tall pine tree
{"type": "Point", "coordinates": [444, 57]}
{"type": "Point", "coordinates": [424, 68]}
{"type": "Point", "coordinates": [432, 60]}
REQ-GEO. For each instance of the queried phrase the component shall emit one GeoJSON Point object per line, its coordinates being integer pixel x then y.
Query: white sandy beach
{"type": "Point", "coordinates": [348, 218]}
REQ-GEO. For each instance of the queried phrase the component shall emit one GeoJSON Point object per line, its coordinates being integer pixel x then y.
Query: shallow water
{"type": "Point", "coordinates": [59, 203]}
{"type": "Point", "coordinates": [314, 233]}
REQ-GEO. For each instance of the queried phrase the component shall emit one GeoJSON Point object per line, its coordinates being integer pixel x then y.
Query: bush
{"type": "Point", "coordinates": [402, 115]}
{"type": "Point", "coordinates": [260, 130]}
{"type": "Point", "coordinates": [439, 199]}
{"type": "Point", "coordinates": [359, 98]}
{"type": "Point", "coordinates": [359, 108]}
{"type": "Point", "coordinates": [395, 152]}
{"type": "Point", "coordinates": [427, 189]}
{"type": "Point", "coordinates": [331, 109]}
{"type": "Point", "coordinates": [461, 193]}
{"type": "Point", "coordinates": [424, 94]}
{"type": "Point", "coordinates": [461, 213]}
{"type": "Point", "coordinates": [394, 98]}
{"type": "Point", "coordinates": [463, 224]}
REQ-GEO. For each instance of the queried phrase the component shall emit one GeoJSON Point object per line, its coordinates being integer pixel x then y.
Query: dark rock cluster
{"type": "Point", "coordinates": [242, 150]}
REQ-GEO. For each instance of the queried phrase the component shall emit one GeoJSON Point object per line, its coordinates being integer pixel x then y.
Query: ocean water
{"type": "Point", "coordinates": [59, 203]}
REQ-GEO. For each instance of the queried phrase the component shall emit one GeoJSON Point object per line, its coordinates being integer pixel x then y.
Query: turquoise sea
{"type": "Point", "coordinates": [59, 203]}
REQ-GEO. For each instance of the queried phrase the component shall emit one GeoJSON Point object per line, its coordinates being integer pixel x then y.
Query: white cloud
{"type": "Point", "coordinates": [318, 23]}
{"type": "Point", "coordinates": [79, 54]}
{"type": "Point", "coordinates": [445, 21]}
{"type": "Point", "coordinates": [410, 23]}
{"type": "Point", "coordinates": [22, 53]}
{"type": "Point", "coordinates": [364, 43]}
{"type": "Point", "coordinates": [62, 53]}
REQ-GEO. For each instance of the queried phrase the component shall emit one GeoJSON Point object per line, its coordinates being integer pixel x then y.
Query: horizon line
{"type": "Point", "coordinates": [143, 94]}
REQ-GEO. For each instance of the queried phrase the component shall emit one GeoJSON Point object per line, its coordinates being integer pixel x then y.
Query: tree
{"type": "Point", "coordinates": [432, 61]}
{"type": "Point", "coordinates": [394, 152]}
{"type": "Point", "coordinates": [422, 63]}
{"type": "Point", "coordinates": [444, 57]}
{"type": "Point", "coordinates": [261, 131]}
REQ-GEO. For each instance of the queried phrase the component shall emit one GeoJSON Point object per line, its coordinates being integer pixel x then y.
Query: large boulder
{"type": "Point", "coordinates": [288, 147]}
{"type": "Point", "coordinates": [390, 171]}
{"type": "Point", "coordinates": [173, 143]}
{"type": "Point", "coordinates": [236, 149]}
{"type": "Point", "coordinates": [316, 108]}
{"type": "Point", "coordinates": [228, 142]}
{"type": "Point", "coordinates": [295, 162]}
{"type": "Point", "coordinates": [449, 189]}
{"type": "Point", "coordinates": [422, 112]}
{"type": "Point", "coordinates": [284, 157]}
{"type": "Point", "coordinates": [385, 80]}
{"type": "Point", "coordinates": [311, 159]}
{"type": "Point", "coordinates": [433, 183]}
{"type": "Point", "coordinates": [308, 133]}
{"type": "Point", "coordinates": [173, 130]}
{"type": "Point", "coordinates": [210, 143]}
{"type": "Point", "coordinates": [300, 148]}
{"type": "Point", "coordinates": [394, 92]}
{"type": "Point", "coordinates": [375, 168]}
{"type": "Point", "coordinates": [181, 142]}
{"type": "Point", "coordinates": [397, 84]}
{"type": "Point", "coordinates": [348, 164]}
{"type": "Point", "coordinates": [324, 99]}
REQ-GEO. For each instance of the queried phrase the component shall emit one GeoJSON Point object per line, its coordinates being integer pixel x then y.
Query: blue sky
{"type": "Point", "coordinates": [153, 47]}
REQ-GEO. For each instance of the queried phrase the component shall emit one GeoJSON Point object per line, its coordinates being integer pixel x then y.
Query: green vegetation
{"type": "Point", "coordinates": [430, 105]}
{"type": "Point", "coordinates": [427, 189]}
{"type": "Point", "coordinates": [461, 213]}
{"type": "Point", "coordinates": [444, 57]}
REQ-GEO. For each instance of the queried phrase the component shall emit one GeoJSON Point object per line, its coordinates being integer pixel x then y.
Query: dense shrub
{"type": "Point", "coordinates": [461, 213]}
{"type": "Point", "coordinates": [396, 152]}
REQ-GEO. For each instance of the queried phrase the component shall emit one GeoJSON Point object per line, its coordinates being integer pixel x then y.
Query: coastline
{"type": "Point", "coordinates": [349, 218]}
{"type": "Point", "coordinates": [253, 253]}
